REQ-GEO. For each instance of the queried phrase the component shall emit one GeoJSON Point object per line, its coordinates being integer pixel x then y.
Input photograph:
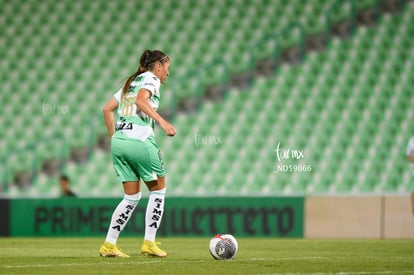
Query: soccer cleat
{"type": "Point", "coordinates": [111, 250]}
{"type": "Point", "coordinates": [151, 249]}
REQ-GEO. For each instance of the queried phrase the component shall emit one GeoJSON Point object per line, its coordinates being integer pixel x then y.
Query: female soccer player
{"type": "Point", "coordinates": [135, 154]}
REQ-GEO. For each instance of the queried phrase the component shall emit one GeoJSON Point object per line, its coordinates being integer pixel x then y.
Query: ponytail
{"type": "Point", "coordinates": [146, 63]}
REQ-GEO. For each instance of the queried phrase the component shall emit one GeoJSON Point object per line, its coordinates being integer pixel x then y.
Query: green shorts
{"type": "Point", "coordinates": [136, 160]}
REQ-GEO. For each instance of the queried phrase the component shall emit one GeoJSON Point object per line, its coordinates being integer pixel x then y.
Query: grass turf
{"type": "Point", "coordinates": [191, 256]}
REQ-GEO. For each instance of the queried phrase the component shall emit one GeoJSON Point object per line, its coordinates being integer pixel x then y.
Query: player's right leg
{"type": "Point", "coordinates": [153, 217]}
{"type": "Point", "coordinates": [153, 174]}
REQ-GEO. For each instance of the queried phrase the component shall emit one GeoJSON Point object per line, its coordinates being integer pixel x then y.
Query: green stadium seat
{"type": "Point", "coordinates": [327, 104]}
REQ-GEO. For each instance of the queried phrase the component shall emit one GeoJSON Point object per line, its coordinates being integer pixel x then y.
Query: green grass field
{"type": "Point", "coordinates": [191, 256]}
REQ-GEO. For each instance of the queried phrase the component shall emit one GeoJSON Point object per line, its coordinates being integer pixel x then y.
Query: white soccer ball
{"type": "Point", "coordinates": [223, 247]}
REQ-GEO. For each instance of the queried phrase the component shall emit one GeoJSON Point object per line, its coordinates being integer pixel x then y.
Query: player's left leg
{"type": "Point", "coordinates": [120, 218]}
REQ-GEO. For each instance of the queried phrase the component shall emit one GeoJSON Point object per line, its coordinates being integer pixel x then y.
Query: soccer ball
{"type": "Point", "coordinates": [223, 247]}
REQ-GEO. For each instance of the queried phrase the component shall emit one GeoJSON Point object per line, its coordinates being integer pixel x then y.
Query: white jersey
{"type": "Point", "coordinates": [134, 123]}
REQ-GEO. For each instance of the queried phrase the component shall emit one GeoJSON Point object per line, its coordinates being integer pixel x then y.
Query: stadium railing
{"type": "Point", "coordinates": [275, 40]}
{"type": "Point", "coordinates": [28, 160]}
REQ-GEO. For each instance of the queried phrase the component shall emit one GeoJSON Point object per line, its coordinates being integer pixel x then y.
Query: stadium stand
{"type": "Point", "coordinates": [346, 107]}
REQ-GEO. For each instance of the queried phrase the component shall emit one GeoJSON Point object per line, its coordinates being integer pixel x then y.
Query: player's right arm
{"type": "Point", "coordinates": [144, 106]}
{"type": "Point", "coordinates": [109, 117]}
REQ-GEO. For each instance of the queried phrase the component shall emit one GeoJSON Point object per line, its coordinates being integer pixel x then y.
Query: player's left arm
{"type": "Point", "coordinates": [109, 117]}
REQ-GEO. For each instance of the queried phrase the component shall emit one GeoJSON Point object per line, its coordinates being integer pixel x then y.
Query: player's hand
{"type": "Point", "coordinates": [168, 128]}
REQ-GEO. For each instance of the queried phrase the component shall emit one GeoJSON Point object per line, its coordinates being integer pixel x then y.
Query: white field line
{"type": "Point", "coordinates": [81, 264]}
{"type": "Point", "coordinates": [145, 262]}
{"type": "Point", "coordinates": [155, 261]}
{"type": "Point", "coordinates": [347, 273]}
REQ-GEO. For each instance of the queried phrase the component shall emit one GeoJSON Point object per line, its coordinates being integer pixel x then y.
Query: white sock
{"type": "Point", "coordinates": [121, 215]}
{"type": "Point", "coordinates": [153, 215]}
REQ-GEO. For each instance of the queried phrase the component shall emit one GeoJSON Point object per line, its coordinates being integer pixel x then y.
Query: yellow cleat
{"type": "Point", "coordinates": [151, 249]}
{"type": "Point", "coordinates": [111, 250]}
